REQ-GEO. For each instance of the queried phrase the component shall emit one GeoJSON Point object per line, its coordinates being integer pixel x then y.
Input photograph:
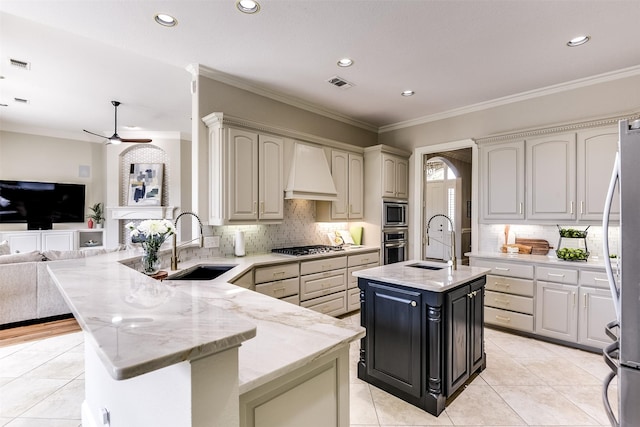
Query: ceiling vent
{"type": "Point", "coordinates": [20, 64]}
{"type": "Point", "coordinates": [339, 82]}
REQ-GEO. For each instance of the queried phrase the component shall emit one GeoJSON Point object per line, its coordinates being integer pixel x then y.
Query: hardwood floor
{"type": "Point", "coordinates": [23, 334]}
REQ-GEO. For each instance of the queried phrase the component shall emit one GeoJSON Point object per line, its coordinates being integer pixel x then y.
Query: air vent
{"type": "Point", "coordinates": [20, 64]}
{"type": "Point", "coordinates": [339, 82]}
{"type": "Point", "coordinates": [21, 100]}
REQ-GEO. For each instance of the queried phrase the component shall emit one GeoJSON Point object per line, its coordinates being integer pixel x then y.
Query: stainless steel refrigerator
{"type": "Point", "coordinates": [623, 355]}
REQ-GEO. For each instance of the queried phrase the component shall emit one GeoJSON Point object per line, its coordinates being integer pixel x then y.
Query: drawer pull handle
{"type": "Point", "coordinates": [503, 318]}
{"type": "Point", "coordinates": [585, 300]}
{"type": "Point", "coordinates": [275, 290]}
{"type": "Point", "coordinates": [521, 205]}
{"type": "Point", "coordinates": [598, 279]}
{"type": "Point", "coordinates": [278, 273]}
{"type": "Point", "coordinates": [506, 285]}
{"type": "Point", "coordinates": [501, 268]}
{"type": "Point", "coordinates": [413, 303]}
{"type": "Point", "coordinates": [555, 275]}
{"type": "Point", "coordinates": [365, 260]}
{"type": "Point", "coordinates": [502, 301]}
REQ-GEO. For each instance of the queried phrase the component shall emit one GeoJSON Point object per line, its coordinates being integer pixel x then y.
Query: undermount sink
{"type": "Point", "coordinates": [202, 272]}
{"type": "Point", "coordinates": [425, 266]}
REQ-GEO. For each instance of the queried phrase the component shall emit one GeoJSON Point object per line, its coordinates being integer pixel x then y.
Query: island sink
{"type": "Point", "coordinates": [202, 272]}
{"type": "Point", "coordinates": [425, 266]}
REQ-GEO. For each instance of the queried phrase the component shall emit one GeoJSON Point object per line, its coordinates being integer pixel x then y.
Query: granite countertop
{"type": "Point", "coordinates": [550, 258]}
{"type": "Point", "coordinates": [138, 324]}
{"type": "Point", "coordinates": [402, 273]}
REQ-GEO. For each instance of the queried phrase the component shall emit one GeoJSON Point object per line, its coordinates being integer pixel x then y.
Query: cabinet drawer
{"type": "Point", "coordinates": [508, 319]}
{"type": "Point", "coordinates": [324, 264]}
{"type": "Point", "coordinates": [509, 285]}
{"type": "Point", "coordinates": [353, 299]}
{"type": "Point", "coordinates": [319, 284]}
{"type": "Point", "coordinates": [558, 275]}
{"type": "Point", "coordinates": [362, 259]}
{"type": "Point", "coordinates": [352, 281]}
{"type": "Point", "coordinates": [293, 299]}
{"type": "Point", "coordinates": [596, 279]}
{"type": "Point", "coordinates": [280, 288]}
{"type": "Point", "coordinates": [508, 302]}
{"type": "Point", "coordinates": [276, 272]}
{"type": "Point", "coordinates": [505, 268]}
{"type": "Point", "coordinates": [332, 305]}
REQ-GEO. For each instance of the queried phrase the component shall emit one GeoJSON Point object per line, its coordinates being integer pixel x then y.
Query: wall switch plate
{"type": "Point", "coordinates": [212, 242]}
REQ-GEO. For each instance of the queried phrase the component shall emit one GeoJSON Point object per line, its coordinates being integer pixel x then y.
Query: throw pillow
{"type": "Point", "coordinates": [21, 257]}
{"type": "Point", "coordinates": [4, 248]}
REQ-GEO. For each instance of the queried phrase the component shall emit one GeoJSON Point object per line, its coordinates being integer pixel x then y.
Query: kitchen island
{"type": "Point", "coordinates": [425, 335]}
{"type": "Point", "coordinates": [202, 353]}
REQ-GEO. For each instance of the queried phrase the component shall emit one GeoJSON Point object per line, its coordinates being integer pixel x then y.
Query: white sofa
{"type": "Point", "coordinates": [27, 292]}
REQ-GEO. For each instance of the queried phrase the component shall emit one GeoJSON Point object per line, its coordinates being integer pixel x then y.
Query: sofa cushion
{"type": "Point", "coordinates": [18, 292]}
{"type": "Point", "coordinates": [4, 248]}
{"type": "Point", "coordinates": [60, 255]}
{"type": "Point", "coordinates": [21, 257]}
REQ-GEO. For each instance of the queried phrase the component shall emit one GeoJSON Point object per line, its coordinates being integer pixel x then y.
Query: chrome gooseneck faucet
{"type": "Point", "coordinates": [454, 261]}
{"type": "Point", "coordinates": [174, 252]}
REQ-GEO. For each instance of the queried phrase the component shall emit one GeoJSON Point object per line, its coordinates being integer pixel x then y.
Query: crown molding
{"type": "Point", "coordinates": [559, 128]}
{"type": "Point", "coordinates": [536, 93]}
{"type": "Point", "coordinates": [201, 70]}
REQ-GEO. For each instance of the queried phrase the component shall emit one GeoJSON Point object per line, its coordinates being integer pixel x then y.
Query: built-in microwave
{"type": "Point", "coordinates": [394, 214]}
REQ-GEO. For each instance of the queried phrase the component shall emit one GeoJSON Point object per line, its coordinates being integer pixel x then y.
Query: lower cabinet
{"type": "Point", "coordinates": [279, 281]}
{"type": "Point", "coordinates": [421, 346]}
{"type": "Point", "coordinates": [323, 285]}
{"type": "Point", "coordinates": [557, 311]}
{"type": "Point", "coordinates": [594, 312]}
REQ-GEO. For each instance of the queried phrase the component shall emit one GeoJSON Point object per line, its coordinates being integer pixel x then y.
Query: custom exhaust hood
{"type": "Point", "coordinates": [310, 176]}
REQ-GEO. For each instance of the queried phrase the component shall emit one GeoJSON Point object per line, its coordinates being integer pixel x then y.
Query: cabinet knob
{"type": "Point", "coordinates": [413, 303]}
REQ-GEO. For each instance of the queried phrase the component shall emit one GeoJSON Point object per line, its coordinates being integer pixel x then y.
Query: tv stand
{"type": "Point", "coordinates": [59, 240]}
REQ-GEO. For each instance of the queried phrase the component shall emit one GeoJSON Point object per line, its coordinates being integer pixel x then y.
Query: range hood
{"type": "Point", "coordinates": [310, 176]}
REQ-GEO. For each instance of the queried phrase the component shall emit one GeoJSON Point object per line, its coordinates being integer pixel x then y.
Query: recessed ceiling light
{"type": "Point", "coordinates": [248, 6]}
{"type": "Point", "coordinates": [345, 62]}
{"type": "Point", "coordinates": [577, 41]}
{"type": "Point", "coordinates": [165, 20]}
{"type": "Point", "coordinates": [408, 93]}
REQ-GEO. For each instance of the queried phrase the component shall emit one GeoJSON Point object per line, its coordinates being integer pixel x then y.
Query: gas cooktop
{"type": "Point", "coordinates": [307, 250]}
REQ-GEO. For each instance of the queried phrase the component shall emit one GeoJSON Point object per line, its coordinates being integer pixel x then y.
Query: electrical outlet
{"type": "Point", "coordinates": [212, 242]}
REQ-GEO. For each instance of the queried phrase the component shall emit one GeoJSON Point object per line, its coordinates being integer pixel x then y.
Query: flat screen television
{"type": "Point", "coordinates": [40, 204]}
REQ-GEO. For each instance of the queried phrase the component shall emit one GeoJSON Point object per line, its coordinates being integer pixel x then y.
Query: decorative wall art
{"type": "Point", "coordinates": [145, 184]}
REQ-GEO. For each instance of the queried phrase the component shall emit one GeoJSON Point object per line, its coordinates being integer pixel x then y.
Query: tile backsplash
{"type": "Point", "coordinates": [492, 236]}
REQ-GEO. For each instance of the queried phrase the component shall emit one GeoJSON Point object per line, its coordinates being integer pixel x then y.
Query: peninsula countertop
{"type": "Point", "coordinates": [550, 259]}
{"type": "Point", "coordinates": [138, 324]}
{"type": "Point", "coordinates": [422, 275]}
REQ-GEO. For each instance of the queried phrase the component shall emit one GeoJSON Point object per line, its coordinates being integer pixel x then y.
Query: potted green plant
{"type": "Point", "coordinates": [97, 214]}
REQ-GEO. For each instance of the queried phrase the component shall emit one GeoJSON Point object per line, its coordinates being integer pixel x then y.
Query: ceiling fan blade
{"type": "Point", "coordinates": [139, 141]}
{"type": "Point", "coordinates": [93, 133]}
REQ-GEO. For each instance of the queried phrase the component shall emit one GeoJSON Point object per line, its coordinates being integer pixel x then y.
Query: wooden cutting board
{"type": "Point", "coordinates": [538, 246]}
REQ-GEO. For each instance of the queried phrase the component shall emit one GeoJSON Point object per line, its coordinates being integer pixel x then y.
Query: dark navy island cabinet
{"type": "Point", "coordinates": [421, 346]}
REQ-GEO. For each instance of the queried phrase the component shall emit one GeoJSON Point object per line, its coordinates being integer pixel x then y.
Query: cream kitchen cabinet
{"type": "Point", "coordinates": [279, 281]}
{"type": "Point", "coordinates": [356, 263]}
{"type": "Point", "coordinates": [395, 176]}
{"type": "Point", "coordinates": [502, 169]}
{"type": "Point", "coordinates": [551, 177]}
{"type": "Point", "coordinates": [40, 240]}
{"type": "Point", "coordinates": [246, 171]}
{"type": "Point", "coordinates": [557, 296]}
{"type": "Point", "coordinates": [596, 153]}
{"type": "Point", "coordinates": [595, 310]}
{"type": "Point", "coordinates": [323, 285]}
{"type": "Point", "coordinates": [347, 170]}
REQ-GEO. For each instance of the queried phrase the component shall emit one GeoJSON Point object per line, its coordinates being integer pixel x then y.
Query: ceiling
{"type": "Point", "coordinates": [452, 53]}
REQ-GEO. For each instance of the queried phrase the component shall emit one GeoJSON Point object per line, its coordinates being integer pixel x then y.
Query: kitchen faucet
{"type": "Point", "coordinates": [453, 239]}
{"type": "Point", "coordinates": [174, 252]}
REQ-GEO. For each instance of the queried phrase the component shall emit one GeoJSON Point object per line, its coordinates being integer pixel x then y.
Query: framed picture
{"type": "Point", "coordinates": [145, 184]}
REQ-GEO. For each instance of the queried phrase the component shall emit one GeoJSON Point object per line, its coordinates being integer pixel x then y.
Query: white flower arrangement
{"type": "Point", "coordinates": [151, 234]}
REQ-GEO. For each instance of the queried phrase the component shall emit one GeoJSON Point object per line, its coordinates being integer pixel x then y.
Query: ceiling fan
{"type": "Point", "coordinates": [115, 138]}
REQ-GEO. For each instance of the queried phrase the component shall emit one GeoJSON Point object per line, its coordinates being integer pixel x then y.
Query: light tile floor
{"type": "Point", "coordinates": [526, 383]}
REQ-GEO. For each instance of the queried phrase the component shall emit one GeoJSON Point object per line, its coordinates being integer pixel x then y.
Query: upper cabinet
{"type": "Point", "coordinates": [551, 177]}
{"type": "Point", "coordinates": [596, 153]}
{"type": "Point", "coordinates": [395, 176]}
{"type": "Point", "coordinates": [559, 177]}
{"type": "Point", "coordinates": [347, 170]}
{"type": "Point", "coordinates": [246, 176]}
{"type": "Point", "coordinates": [502, 171]}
